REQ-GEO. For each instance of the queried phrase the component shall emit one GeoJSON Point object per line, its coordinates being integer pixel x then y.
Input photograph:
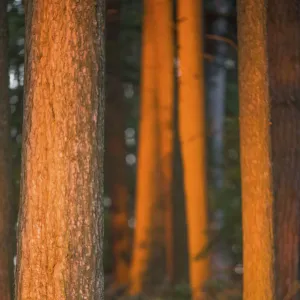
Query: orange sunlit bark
{"type": "Point", "coordinates": [60, 228]}
{"type": "Point", "coordinates": [270, 147]}
{"type": "Point", "coordinates": [163, 17]}
{"type": "Point", "coordinates": [146, 194]}
{"type": "Point", "coordinates": [192, 137]}
{"type": "Point", "coordinates": [255, 155]}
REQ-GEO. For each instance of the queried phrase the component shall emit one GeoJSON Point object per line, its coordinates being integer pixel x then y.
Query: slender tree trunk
{"type": "Point", "coordinates": [269, 38]}
{"type": "Point", "coordinates": [116, 148]}
{"type": "Point", "coordinates": [163, 18]}
{"type": "Point", "coordinates": [193, 138]}
{"type": "Point", "coordinates": [60, 225]}
{"type": "Point", "coordinates": [6, 224]}
{"type": "Point", "coordinates": [216, 101]}
{"type": "Point", "coordinates": [146, 193]}
{"type": "Point", "coordinates": [216, 93]}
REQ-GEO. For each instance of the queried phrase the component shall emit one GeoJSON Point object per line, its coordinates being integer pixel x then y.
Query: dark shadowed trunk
{"type": "Point", "coordinates": [6, 224]}
{"type": "Point", "coordinates": [216, 101]}
{"type": "Point", "coordinates": [60, 225]}
{"type": "Point", "coordinates": [216, 91]}
{"type": "Point", "coordinates": [269, 38]}
{"type": "Point", "coordinates": [181, 265]}
{"type": "Point", "coordinates": [116, 149]}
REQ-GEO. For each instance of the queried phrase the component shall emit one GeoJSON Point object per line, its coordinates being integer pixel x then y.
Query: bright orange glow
{"type": "Point", "coordinates": [146, 194]}
{"type": "Point", "coordinates": [192, 137]}
{"type": "Point", "coordinates": [165, 94]}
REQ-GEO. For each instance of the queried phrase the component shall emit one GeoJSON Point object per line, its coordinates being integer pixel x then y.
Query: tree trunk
{"type": "Point", "coordinates": [61, 221]}
{"type": "Point", "coordinates": [216, 92]}
{"type": "Point", "coordinates": [116, 149]}
{"type": "Point", "coordinates": [146, 193]}
{"type": "Point", "coordinates": [6, 223]}
{"type": "Point", "coordinates": [163, 14]}
{"type": "Point", "coordinates": [216, 101]}
{"type": "Point", "coordinates": [193, 138]}
{"type": "Point", "coordinates": [181, 266]}
{"type": "Point", "coordinates": [269, 37]}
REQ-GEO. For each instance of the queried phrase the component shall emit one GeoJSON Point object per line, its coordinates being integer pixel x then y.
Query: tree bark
{"type": "Point", "coordinates": [116, 149]}
{"type": "Point", "coordinates": [146, 194]}
{"type": "Point", "coordinates": [164, 34]}
{"type": "Point", "coordinates": [269, 38]}
{"type": "Point", "coordinates": [6, 222]}
{"type": "Point", "coordinates": [61, 221]}
{"type": "Point", "coordinates": [193, 139]}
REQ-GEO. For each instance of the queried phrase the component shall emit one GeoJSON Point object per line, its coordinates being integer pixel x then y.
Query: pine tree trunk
{"type": "Point", "coordinates": [193, 139]}
{"type": "Point", "coordinates": [146, 194]}
{"type": "Point", "coordinates": [216, 102]}
{"type": "Point", "coordinates": [116, 149]}
{"type": "Point", "coordinates": [216, 92]}
{"type": "Point", "coordinates": [163, 14]}
{"type": "Point", "coordinates": [60, 225]}
{"type": "Point", "coordinates": [6, 224]}
{"type": "Point", "coordinates": [269, 38]}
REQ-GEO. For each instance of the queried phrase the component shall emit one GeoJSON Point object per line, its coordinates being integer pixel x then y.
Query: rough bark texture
{"type": "Point", "coordinates": [163, 18]}
{"type": "Point", "coordinates": [193, 139]}
{"type": "Point", "coordinates": [116, 149]}
{"type": "Point", "coordinates": [6, 224]}
{"type": "Point", "coordinates": [269, 38]}
{"type": "Point", "coordinates": [283, 50]}
{"type": "Point", "coordinates": [146, 193]}
{"type": "Point", "coordinates": [258, 201]}
{"type": "Point", "coordinates": [60, 222]}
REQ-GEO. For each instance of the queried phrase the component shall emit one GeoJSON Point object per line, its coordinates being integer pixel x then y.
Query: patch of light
{"type": "Point", "coordinates": [20, 42]}
{"type": "Point", "coordinates": [128, 91]}
{"type": "Point", "coordinates": [21, 74]}
{"type": "Point", "coordinates": [130, 142]}
{"type": "Point", "coordinates": [13, 132]}
{"type": "Point", "coordinates": [107, 202]}
{"type": "Point", "coordinates": [13, 83]}
{"type": "Point", "coordinates": [130, 159]}
{"type": "Point", "coordinates": [19, 138]}
{"type": "Point", "coordinates": [131, 222]}
{"type": "Point", "coordinates": [129, 133]}
{"type": "Point", "coordinates": [238, 269]}
{"type": "Point", "coordinates": [12, 108]}
{"type": "Point", "coordinates": [14, 99]}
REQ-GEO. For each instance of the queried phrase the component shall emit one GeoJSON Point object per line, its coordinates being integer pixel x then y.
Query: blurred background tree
{"type": "Point", "coordinates": [224, 199]}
